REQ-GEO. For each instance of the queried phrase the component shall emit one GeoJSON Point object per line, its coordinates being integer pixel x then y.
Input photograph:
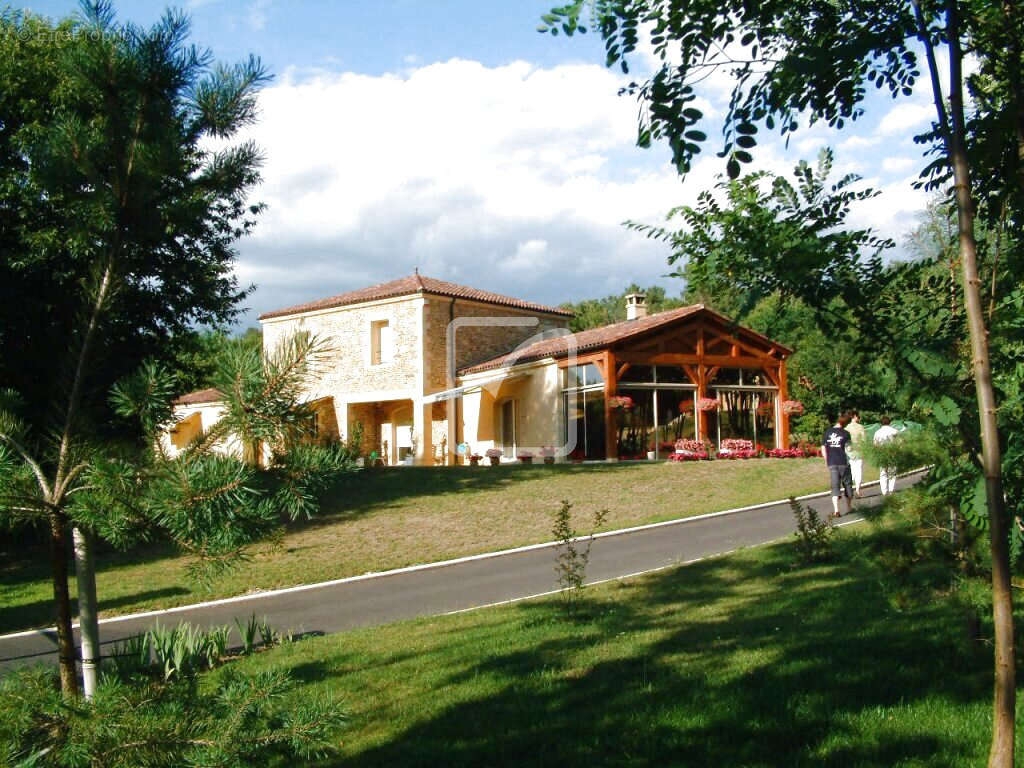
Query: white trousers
{"type": "Point", "coordinates": [887, 480]}
{"type": "Point", "coordinates": [857, 472]}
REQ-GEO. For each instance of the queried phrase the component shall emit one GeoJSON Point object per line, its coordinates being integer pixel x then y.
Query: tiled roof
{"type": "Point", "coordinates": [594, 338]}
{"type": "Point", "coordinates": [200, 396]}
{"type": "Point", "coordinates": [410, 285]}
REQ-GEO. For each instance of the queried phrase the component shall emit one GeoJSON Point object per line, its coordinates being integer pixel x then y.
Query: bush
{"type": "Point", "coordinates": [571, 563]}
{"type": "Point", "coordinates": [813, 535]}
{"type": "Point", "coordinates": [237, 720]}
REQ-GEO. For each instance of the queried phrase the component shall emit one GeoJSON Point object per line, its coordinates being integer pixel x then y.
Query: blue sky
{"type": "Point", "coordinates": [452, 137]}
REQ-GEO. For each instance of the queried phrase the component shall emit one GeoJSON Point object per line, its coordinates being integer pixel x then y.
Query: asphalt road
{"type": "Point", "coordinates": [460, 585]}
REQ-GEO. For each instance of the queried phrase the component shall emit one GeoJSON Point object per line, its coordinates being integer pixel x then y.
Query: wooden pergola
{"type": "Point", "coordinates": [702, 343]}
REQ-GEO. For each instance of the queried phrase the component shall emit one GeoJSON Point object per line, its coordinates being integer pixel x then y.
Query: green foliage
{"type": "Point", "coordinates": [785, 60]}
{"type": "Point", "coordinates": [593, 313]}
{"type": "Point", "coordinates": [106, 159]}
{"type": "Point", "coordinates": [813, 535]}
{"type": "Point", "coordinates": [771, 236]}
{"type": "Point", "coordinates": [185, 650]}
{"type": "Point", "coordinates": [237, 720]}
{"type": "Point", "coordinates": [572, 559]}
{"type": "Point", "coordinates": [209, 502]}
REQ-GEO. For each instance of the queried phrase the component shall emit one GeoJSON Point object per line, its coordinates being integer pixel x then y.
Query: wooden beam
{"type": "Point", "coordinates": [590, 357]}
{"type": "Point", "coordinates": [783, 430]}
{"type": "Point", "coordinates": [622, 370]}
{"type": "Point", "coordinates": [679, 358]}
{"type": "Point", "coordinates": [772, 375]}
{"type": "Point", "coordinates": [611, 388]}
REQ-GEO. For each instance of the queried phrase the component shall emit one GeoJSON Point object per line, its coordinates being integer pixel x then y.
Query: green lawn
{"type": "Point", "coordinates": [401, 516]}
{"type": "Point", "coordinates": [742, 660]}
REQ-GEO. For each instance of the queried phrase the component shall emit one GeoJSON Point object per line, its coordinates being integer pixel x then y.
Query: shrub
{"type": "Point", "coordinates": [813, 535]}
{"type": "Point", "coordinates": [235, 720]}
{"type": "Point", "coordinates": [571, 562]}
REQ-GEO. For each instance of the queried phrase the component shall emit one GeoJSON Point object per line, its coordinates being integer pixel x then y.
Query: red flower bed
{"type": "Point", "coordinates": [785, 453]}
{"type": "Point", "coordinates": [693, 456]}
{"type": "Point", "coordinates": [747, 454]}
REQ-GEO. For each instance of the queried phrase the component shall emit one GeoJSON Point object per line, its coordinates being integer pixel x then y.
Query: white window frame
{"type": "Point", "coordinates": [376, 348]}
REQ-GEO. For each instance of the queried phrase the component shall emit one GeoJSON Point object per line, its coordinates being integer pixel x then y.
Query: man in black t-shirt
{"type": "Point", "coordinates": [833, 448]}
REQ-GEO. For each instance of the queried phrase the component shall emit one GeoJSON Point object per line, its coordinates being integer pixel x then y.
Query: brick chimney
{"type": "Point", "coordinates": [636, 306]}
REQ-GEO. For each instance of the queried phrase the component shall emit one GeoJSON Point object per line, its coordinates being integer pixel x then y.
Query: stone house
{"type": "Point", "coordinates": [425, 366]}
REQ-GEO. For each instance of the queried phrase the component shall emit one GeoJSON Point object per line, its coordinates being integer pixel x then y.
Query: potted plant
{"type": "Point", "coordinates": [525, 457]}
{"type": "Point", "coordinates": [707, 404]}
{"type": "Point", "coordinates": [474, 459]}
{"type": "Point", "coordinates": [792, 407]}
{"type": "Point", "coordinates": [548, 453]}
{"type": "Point", "coordinates": [494, 456]}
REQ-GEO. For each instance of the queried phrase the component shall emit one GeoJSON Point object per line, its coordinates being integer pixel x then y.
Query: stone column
{"type": "Point", "coordinates": [422, 432]}
{"type": "Point", "coordinates": [341, 415]}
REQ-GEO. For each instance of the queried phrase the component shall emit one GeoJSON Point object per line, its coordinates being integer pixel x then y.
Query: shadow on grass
{"type": "Point", "coordinates": [735, 661]}
{"type": "Point", "coordinates": [360, 492]}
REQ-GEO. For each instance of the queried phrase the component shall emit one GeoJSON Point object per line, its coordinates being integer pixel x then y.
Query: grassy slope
{"type": "Point", "coordinates": [736, 661]}
{"type": "Point", "coordinates": [402, 516]}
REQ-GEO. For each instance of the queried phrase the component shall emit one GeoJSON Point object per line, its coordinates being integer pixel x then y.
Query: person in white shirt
{"type": "Point", "coordinates": [857, 436]}
{"type": "Point", "coordinates": [886, 475]}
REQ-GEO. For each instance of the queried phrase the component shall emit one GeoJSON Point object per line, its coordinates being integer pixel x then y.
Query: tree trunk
{"type": "Point", "coordinates": [1004, 698]}
{"type": "Point", "coordinates": [62, 601]}
{"type": "Point", "coordinates": [88, 626]}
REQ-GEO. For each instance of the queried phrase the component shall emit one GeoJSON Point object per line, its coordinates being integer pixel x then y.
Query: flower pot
{"type": "Point", "coordinates": [651, 455]}
{"type": "Point", "coordinates": [526, 459]}
{"type": "Point", "coordinates": [549, 459]}
{"type": "Point", "coordinates": [495, 460]}
{"type": "Point", "coordinates": [474, 462]}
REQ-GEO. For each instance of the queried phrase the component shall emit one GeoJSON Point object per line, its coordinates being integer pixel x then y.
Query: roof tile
{"type": "Point", "coordinates": [199, 396]}
{"type": "Point", "coordinates": [410, 285]}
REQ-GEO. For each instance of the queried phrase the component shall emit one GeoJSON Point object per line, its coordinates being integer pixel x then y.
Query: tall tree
{"type": "Point", "coordinates": [137, 209]}
{"type": "Point", "coordinates": [816, 58]}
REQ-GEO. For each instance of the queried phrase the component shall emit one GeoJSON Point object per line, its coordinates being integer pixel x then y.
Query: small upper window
{"type": "Point", "coordinates": [382, 347]}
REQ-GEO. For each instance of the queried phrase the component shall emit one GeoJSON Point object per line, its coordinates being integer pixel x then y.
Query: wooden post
{"type": "Point", "coordinates": [702, 385]}
{"type": "Point", "coordinates": [611, 388]}
{"type": "Point", "coordinates": [782, 434]}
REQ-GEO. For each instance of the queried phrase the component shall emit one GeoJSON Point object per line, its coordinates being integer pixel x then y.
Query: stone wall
{"type": "Point", "coordinates": [473, 344]}
{"type": "Point", "coordinates": [349, 373]}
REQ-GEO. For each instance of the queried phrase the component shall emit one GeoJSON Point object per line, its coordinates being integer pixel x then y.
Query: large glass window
{"type": "Point", "coordinates": [676, 418]}
{"type": "Point", "coordinates": [584, 411]}
{"type": "Point", "coordinates": [582, 376]}
{"type": "Point", "coordinates": [635, 424]}
{"type": "Point", "coordinates": [746, 414]}
{"type": "Point", "coordinates": [638, 373]}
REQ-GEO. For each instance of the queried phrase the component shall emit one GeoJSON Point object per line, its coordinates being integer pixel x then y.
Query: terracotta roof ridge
{"type": "Point", "coordinates": [412, 284]}
{"type": "Point", "coordinates": [206, 395]}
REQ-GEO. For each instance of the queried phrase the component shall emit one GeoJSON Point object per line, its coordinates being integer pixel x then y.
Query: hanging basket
{"type": "Point", "coordinates": [621, 402]}
{"type": "Point", "coordinates": [792, 407]}
{"type": "Point", "coordinates": [708, 404]}
{"type": "Point", "coordinates": [686, 406]}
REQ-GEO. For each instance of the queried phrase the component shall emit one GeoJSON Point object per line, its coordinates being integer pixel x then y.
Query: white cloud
{"type": "Point", "coordinates": [513, 179]}
{"type": "Point", "coordinates": [905, 117]}
{"type": "Point", "coordinates": [897, 164]}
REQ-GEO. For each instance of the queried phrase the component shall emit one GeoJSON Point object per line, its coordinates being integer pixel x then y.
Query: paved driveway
{"type": "Point", "coordinates": [457, 585]}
